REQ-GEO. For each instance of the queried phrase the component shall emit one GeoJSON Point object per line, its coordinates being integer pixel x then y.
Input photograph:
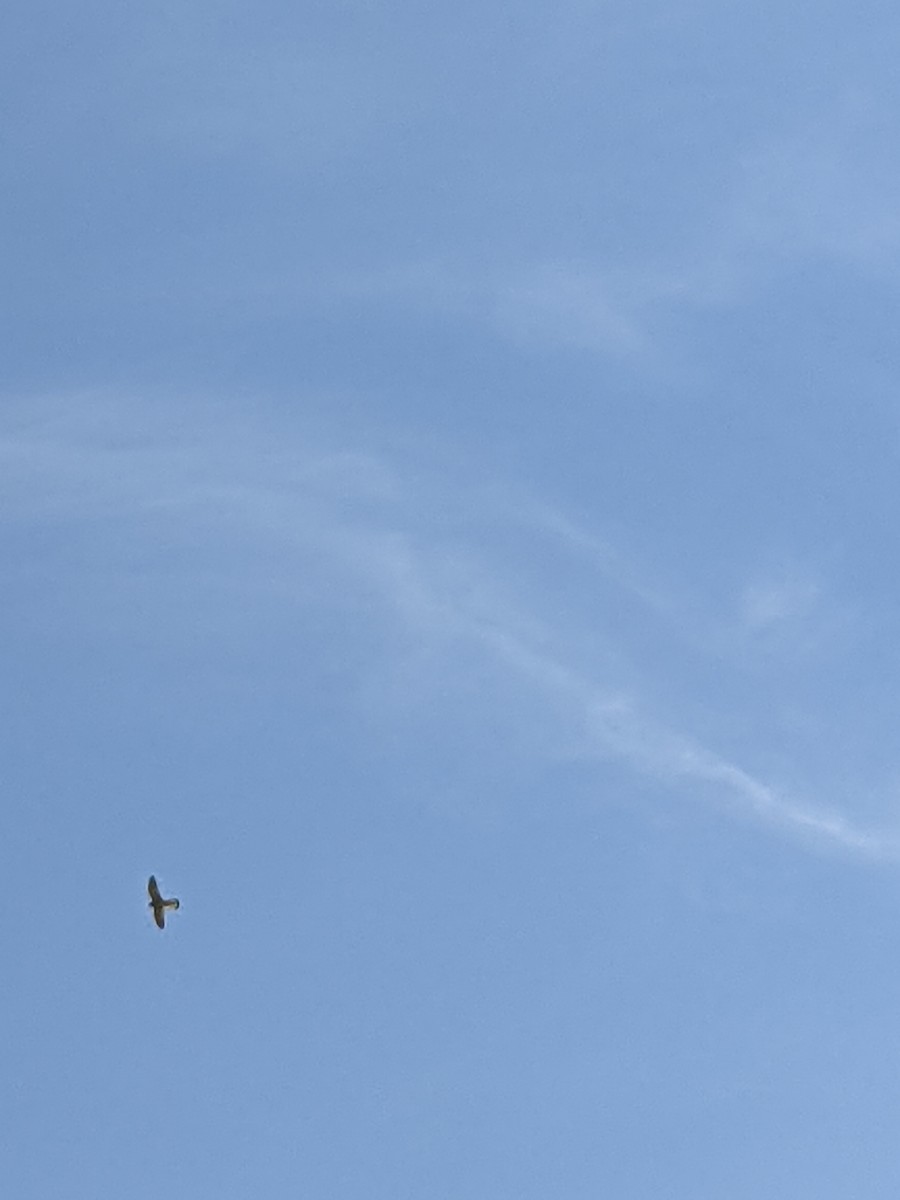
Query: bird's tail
{"type": "Point", "coordinates": [173, 903]}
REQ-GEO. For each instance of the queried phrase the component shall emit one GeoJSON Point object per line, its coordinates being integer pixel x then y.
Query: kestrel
{"type": "Point", "coordinates": [157, 903]}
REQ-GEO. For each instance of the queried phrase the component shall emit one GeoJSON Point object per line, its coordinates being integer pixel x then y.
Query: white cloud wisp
{"type": "Point", "coordinates": [352, 509]}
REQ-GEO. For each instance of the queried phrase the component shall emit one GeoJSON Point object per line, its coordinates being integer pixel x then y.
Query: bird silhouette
{"type": "Point", "coordinates": [159, 905]}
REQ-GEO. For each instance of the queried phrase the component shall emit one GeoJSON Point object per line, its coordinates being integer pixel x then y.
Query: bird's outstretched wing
{"type": "Point", "coordinates": [159, 915]}
{"type": "Point", "coordinates": [153, 890]}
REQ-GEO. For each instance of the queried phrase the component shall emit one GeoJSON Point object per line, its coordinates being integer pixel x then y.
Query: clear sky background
{"type": "Point", "coordinates": [449, 467]}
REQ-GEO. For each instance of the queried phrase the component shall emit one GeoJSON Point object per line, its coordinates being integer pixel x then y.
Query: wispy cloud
{"type": "Point", "coordinates": [774, 602]}
{"type": "Point", "coordinates": [539, 304]}
{"type": "Point", "coordinates": [817, 189]}
{"type": "Point", "coordinates": [355, 510]}
{"type": "Point", "coordinates": [567, 306]}
{"type": "Point", "coordinates": [614, 726]}
{"type": "Point", "coordinates": [823, 189]}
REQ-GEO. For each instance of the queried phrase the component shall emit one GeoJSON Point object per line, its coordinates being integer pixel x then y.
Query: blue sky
{"type": "Point", "coordinates": [448, 472]}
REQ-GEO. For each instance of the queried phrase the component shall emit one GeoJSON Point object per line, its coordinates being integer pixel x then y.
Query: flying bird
{"type": "Point", "coordinates": [159, 905]}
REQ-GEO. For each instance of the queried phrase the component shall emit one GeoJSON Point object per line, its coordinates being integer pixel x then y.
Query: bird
{"type": "Point", "coordinates": [157, 903]}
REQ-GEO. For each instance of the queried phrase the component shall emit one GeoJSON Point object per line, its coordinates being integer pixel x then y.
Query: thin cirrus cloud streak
{"type": "Point", "coordinates": [552, 303]}
{"type": "Point", "coordinates": [298, 500]}
{"type": "Point", "coordinates": [820, 190]}
{"type": "Point", "coordinates": [616, 728]}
